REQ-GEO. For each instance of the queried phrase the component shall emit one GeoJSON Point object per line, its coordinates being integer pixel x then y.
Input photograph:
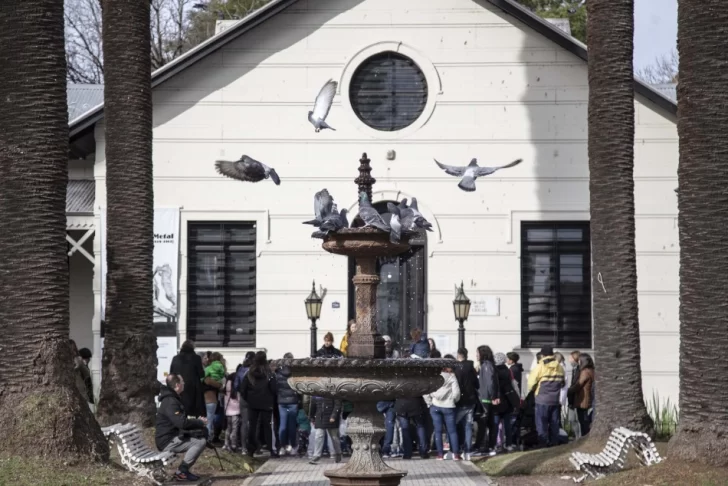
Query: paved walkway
{"type": "Point", "coordinates": [290, 471]}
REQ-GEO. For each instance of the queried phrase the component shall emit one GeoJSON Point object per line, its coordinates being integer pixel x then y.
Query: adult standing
{"type": "Point", "coordinates": [287, 408]}
{"type": "Point", "coordinates": [188, 365]}
{"type": "Point", "coordinates": [259, 392]}
{"type": "Point", "coordinates": [328, 350]}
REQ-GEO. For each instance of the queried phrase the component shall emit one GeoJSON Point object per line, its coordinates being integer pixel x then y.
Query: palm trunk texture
{"type": "Point", "coordinates": [619, 400]}
{"type": "Point", "coordinates": [129, 381]}
{"type": "Point", "coordinates": [42, 413]}
{"type": "Point", "coordinates": [702, 434]}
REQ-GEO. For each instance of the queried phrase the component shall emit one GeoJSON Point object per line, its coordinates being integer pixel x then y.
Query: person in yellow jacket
{"type": "Point", "coordinates": [350, 327]}
{"type": "Point", "coordinates": [547, 379]}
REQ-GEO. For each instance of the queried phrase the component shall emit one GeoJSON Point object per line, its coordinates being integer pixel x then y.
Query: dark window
{"type": "Point", "coordinates": [401, 295]}
{"type": "Point", "coordinates": [556, 285]}
{"type": "Point", "coordinates": [388, 91]}
{"type": "Point", "coordinates": [221, 283]}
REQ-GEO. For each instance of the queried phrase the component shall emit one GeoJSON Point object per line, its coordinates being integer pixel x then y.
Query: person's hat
{"type": "Point", "coordinates": [547, 351]}
{"type": "Point", "coordinates": [499, 359]}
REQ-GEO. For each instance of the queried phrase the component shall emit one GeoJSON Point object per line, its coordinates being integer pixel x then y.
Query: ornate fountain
{"type": "Point", "coordinates": [365, 377]}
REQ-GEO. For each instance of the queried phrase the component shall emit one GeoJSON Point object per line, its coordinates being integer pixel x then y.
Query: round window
{"type": "Point", "coordinates": [388, 91]}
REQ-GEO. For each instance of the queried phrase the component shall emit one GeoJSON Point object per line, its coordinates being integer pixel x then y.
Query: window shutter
{"type": "Point", "coordinates": [388, 91]}
{"type": "Point", "coordinates": [221, 290]}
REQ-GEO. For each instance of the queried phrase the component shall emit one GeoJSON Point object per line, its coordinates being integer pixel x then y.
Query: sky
{"type": "Point", "coordinates": [655, 30]}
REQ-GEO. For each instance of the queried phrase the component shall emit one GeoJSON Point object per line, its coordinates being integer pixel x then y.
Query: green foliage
{"type": "Point", "coordinates": [665, 415]}
{"type": "Point", "coordinates": [574, 10]}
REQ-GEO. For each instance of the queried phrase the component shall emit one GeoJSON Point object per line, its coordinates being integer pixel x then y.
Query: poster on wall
{"type": "Point", "coordinates": [165, 275]}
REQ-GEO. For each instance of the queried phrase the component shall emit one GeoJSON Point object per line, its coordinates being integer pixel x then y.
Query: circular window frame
{"type": "Point", "coordinates": [434, 87]}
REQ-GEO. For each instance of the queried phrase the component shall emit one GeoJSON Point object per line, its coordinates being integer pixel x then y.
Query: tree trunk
{"type": "Point", "coordinates": [42, 412]}
{"type": "Point", "coordinates": [129, 382]}
{"type": "Point", "coordinates": [703, 211]}
{"type": "Point", "coordinates": [619, 393]}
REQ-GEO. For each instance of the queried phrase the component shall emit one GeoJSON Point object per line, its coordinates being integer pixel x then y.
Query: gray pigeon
{"type": "Point", "coordinates": [369, 215]}
{"type": "Point", "coordinates": [335, 220]}
{"type": "Point", "coordinates": [396, 233]}
{"type": "Point", "coordinates": [419, 220]}
{"type": "Point", "coordinates": [472, 171]}
{"type": "Point", "coordinates": [322, 206]}
{"type": "Point", "coordinates": [322, 105]}
{"type": "Point", "coordinates": [246, 169]}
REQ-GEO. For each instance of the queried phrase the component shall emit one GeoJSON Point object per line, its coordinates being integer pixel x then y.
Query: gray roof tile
{"type": "Point", "coordinates": [83, 97]}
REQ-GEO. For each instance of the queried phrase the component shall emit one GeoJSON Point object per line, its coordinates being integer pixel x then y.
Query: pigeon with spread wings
{"type": "Point", "coordinates": [247, 169]}
{"type": "Point", "coordinates": [472, 171]}
{"type": "Point", "coordinates": [322, 105]}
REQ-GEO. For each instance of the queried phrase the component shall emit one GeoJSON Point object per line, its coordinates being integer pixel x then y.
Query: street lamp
{"type": "Point", "coordinates": [461, 306]}
{"type": "Point", "coordinates": [313, 311]}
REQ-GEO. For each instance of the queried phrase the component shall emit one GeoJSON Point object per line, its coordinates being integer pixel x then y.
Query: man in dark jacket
{"type": "Point", "coordinates": [188, 365]}
{"type": "Point", "coordinates": [177, 433]}
{"type": "Point", "coordinates": [469, 384]}
{"type": "Point", "coordinates": [325, 415]}
{"type": "Point", "coordinates": [328, 350]}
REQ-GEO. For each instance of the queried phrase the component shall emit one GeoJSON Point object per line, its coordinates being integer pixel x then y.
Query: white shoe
{"type": "Point", "coordinates": [466, 456]}
{"type": "Point", "coordinates": [492, 453]}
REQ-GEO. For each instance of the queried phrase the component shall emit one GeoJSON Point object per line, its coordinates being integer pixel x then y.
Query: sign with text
{"type": "Point", "coordinates": [485, 306]}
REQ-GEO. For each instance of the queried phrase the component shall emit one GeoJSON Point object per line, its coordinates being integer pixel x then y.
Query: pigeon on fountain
{"type": "Point", "coordinates": [369, 215]}
{"type": "Point", "coordinates": [472, 171]}
{"type": "Point", "coordinates": [419, 220]}
{"type": "Point", "coordinates": [322, 105]}
{"type": "Point", "coordinates": [396, 227]}
{"type": "Point", "coordinates": [322, 206]}
{"type": "Point", "coordinates": [247, 169]}
{"type": "Point", "coordinates": [335, 220]}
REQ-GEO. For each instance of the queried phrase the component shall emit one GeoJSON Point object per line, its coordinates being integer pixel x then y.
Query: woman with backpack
{"type": "Point", "coordinates": [259, 391]}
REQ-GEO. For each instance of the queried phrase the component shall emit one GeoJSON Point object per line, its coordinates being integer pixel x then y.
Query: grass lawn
{"type": "Point", "coordinates": [20, 471]}
{"type": "Point", "coordinates": [554, 462]}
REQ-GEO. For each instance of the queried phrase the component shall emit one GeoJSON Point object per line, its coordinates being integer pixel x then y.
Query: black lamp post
{"type": "Point", "coordinates": [313, 311]}
{"type": "Point", "coordinates": [461, 305]}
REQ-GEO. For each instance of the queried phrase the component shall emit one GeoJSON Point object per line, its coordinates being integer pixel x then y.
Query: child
{"type": "Point", "coordinates": [304, 431]}
{"type": "Point", "coordinates": [232, 412]}
{"type": "Point", "coordinates": [215, 370]}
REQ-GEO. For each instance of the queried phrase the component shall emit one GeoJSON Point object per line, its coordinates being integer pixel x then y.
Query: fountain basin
{"type": "Point", "coordinates": [364, 382]}
{"type": "Point", "coordinates": [370, 380]}
{"type": "Point", "coordinates": [363, 242]}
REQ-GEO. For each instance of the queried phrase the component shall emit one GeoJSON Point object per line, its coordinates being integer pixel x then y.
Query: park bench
{"type": "Point", "coordinates": [614, 455]}
{"type": "Point", "coordinates": [136, 455]}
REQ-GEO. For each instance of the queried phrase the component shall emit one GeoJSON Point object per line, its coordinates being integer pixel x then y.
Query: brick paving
{"type": "Point", "coordinates": [290, 471]}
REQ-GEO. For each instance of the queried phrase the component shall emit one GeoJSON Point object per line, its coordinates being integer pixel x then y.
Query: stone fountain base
{"type": "Point", "coordinates": [364, 382]}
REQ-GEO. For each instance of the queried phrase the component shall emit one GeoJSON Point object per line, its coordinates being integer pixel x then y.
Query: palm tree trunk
{"type": "Point", "coordinates": [703, 210]}
{"type": "Point", "coordinates": [129, 381]}
{"type": "Point", "coordinates": [619, 399]}
{"type": "Point", "coordinates": [42, 412]}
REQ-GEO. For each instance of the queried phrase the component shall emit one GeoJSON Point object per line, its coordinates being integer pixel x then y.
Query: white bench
{"type": "Point", "coordinates": [136, 455]}
{"type": "Point", "coordinates": [614, 455]}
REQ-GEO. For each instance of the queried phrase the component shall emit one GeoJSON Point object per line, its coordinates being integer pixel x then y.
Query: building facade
{"type": "Point", "coordinates": [418, 79]}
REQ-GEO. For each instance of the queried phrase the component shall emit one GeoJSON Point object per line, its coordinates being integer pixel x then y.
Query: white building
{"type": "Point", "coordinates": [477, 78]}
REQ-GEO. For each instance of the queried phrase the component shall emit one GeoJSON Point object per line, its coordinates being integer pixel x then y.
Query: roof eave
{"type": "Point", "coordinates": [96, 114]}
{"type": "Point", "coordinates": [577, 48]}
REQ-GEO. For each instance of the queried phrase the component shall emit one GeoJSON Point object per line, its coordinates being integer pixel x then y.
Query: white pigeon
{"type": "Point", "coordinates": [472, 171]}
{"type": "Point", "coordinates": [322, 105]}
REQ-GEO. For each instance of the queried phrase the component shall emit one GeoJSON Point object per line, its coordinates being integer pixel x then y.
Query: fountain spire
{"type": "Point", "coordinates": [365, 181]}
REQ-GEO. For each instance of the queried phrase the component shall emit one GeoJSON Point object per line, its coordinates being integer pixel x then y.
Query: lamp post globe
{"type": "Point", "coordinates": [313, 312]}
{"type": "Point", "coordinates": [461, 307]}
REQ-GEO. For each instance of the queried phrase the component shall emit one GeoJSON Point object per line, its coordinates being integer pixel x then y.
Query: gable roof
{"type": "Point", "coordinates": [268, 11]}
{"type": "Point", "coordinates": [83, 97]}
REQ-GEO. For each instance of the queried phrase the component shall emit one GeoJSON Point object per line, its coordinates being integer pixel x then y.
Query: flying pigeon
{"type": "Point", "coordinates": [246, 169]}
{"type": "Point", "coordinates": [472, 171]}
{"type": "Point", "coordinates": [369, 215]}
{"type": "Point", "coordinates": [322, 206]}
{"type": "Point", "coordinates": [322, 105]}
{"type": "Point", "coordinates": [419, 220]}
{"type": "Point", "coordinates": [396, 227]}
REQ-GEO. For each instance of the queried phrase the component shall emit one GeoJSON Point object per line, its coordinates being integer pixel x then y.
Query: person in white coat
{"type": "Point", "coordinates": [442, 409]}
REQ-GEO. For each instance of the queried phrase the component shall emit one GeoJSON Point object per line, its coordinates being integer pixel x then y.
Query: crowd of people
{"type": "Point", "coordinates": [482, 408]}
